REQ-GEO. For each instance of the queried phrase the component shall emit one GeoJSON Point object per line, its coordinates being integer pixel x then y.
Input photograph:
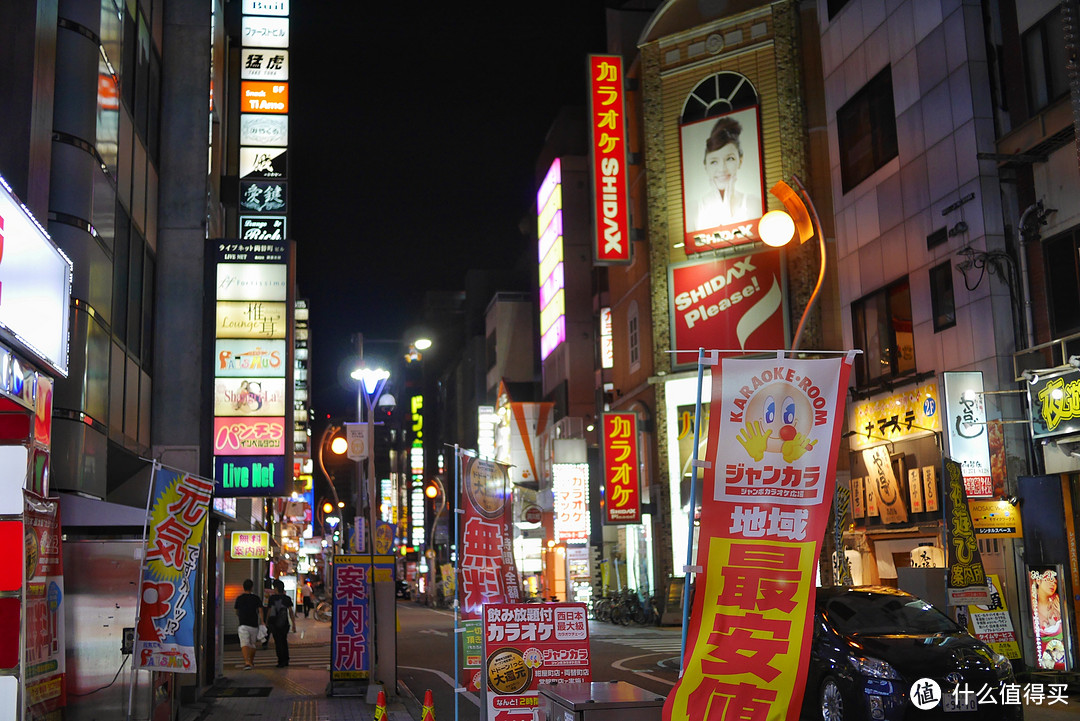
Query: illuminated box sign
{"type": "Point", "coordinates": [252, 319]}
{"type": "Point", "coordinates": [1055, 404]}
{"type": "Point", "coordinates": [608, 150]}
{"type": "Point", "coordinates": [236, 358]}
{"type": "Point", "coordinates": [249, 436]}
{"type": "Point", "coordinates": [264, 32]}
{"type": "Point", "coordinates": [264, 64]}
{"type": "Point", "coordinates": [550, 252]}
{"type": "Point", "coordinates": [262, 227]}
{"type": "Point", "coordinates": [485, 434]}
{"type": "Point", "coordinates": [622, 484]}
{"type": "Point", "coordinates": [246, 397]}
{"type": "Point", "coordinates": [35, 277]}
{"type": "Point", "coordinates": [239, 251]}
{"type": "Point", "coordinates": [729, 303]}
{"type": "Point", "coordinates": [249, 476]}
{"type": "Point", "coordinates": [607, 341]}
{"type": "Point", "coordinates": [268, 163]}
{"type": "Point", "coordinates": [249, 544]}
{"type": "Point", "coordinates": [900, 416]}
{"type": "Point", "coordinates": [570, 485]}
{"type": "Point", "coordinates": [723, 182]}
{"type": "Point", "coordinates": [969, 437]}
{"type": "Point", "coordinates": [259, 96]}
{"type": "Point", "coordinates": [252, 281]}
{"type": "Point", "coordinates": [264, 130]}
{"type": "Point", "coordinates": [263, 196]}
{"type": "Point", "coordinates": [279, 8]}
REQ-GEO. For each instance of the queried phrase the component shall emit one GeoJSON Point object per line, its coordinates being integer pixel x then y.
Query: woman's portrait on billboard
{"type": "Point", "coordinates": [722, 171]}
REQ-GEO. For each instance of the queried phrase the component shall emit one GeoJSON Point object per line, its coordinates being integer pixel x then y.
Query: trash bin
{"type": "Point", "coordinates": [613, 701]}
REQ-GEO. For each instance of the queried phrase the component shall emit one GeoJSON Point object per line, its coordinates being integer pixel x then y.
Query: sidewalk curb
{"type": "Point", "coordinates": [408, 700]}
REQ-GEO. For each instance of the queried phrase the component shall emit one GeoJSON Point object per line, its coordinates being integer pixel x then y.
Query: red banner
{"type": "Point", "coordinates": [43, 649]}
{"type": "Point", "coordinates": [773, 441]}
{"type": "Point", "coordinates": [727, 303]}
{"type": "Point", "coordinates": [487, 572]}
{"type": "Point", "coordinates": [607, 120]}
{"type": "Point", "coordinates": [622, 483]}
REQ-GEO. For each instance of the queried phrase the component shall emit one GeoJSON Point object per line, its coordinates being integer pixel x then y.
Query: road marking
{"type": "Point", "coordinates": [431, 630]}
{"type": "Point", "coordinates": [646, 674]}
{"type": "Point", "coordinates": [449, 682]}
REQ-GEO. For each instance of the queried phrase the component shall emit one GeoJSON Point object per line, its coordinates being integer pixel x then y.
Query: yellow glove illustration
{"type": "Point", "coordinates": [794, 449]}
{"type": "Point", "coordinates": [754, 442]}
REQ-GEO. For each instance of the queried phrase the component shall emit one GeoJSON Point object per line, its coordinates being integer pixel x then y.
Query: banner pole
{"type": "Point", "coordinates": [693, 507]}
{"type": "Point", "coordinates": [453, 558]}
{"type": "Point", "coordinates": [138, 588]}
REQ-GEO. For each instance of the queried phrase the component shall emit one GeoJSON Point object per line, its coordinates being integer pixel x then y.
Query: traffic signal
{"type": "Point", "coordinates": [431, 490]}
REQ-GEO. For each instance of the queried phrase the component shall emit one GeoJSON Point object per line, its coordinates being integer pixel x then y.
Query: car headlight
{"type": "Point", "coordinates": [873, 667]}
{"type": "Point", "coordinates": [1002, 665]}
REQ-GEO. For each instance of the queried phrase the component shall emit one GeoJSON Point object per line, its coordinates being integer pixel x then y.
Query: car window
{"type": "Point", "coordinates": [882, 615]}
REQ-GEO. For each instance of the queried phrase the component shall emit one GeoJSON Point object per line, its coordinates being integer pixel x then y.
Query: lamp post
{"type": "Point", "coordinates": [435, 490]}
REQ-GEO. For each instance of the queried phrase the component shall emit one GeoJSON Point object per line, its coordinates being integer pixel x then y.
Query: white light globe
{"type": "Point", "coordinates": [776, 228]}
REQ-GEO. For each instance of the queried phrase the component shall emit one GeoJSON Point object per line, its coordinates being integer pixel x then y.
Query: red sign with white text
{"type": "Point", "coordinates": [731, 303]}
{"type": "Point", "coordinates": [622, 484]}
{"type": "Point", "coordinates": [607, 120]}
{"type": "Point", "coordinates": [774, 437]}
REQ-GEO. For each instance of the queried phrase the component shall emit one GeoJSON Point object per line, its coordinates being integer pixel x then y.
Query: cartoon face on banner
{"type": "Point", "coordinates": [784, 413]}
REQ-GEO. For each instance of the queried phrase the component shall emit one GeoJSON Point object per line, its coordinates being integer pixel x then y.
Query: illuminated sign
{"type": "Point", "coordinates": [249, 397]}
{"type": "Point", "coordinates": [487, 419]}
{"type": "Point", "coordinates": [570, 485]}
{"type": "Point", "coordinates": [249, 544]}
{"type": "Point", "coordinates": [249, 436]}
{"type": "Point", "coordinates": [262, 227]}
{"type": "Point", "coordinates": [266, 7]}
{"type": "Point", "coordinates": [263, 196]}
{"type": "Point", "coordinates": [264, 130]}
{"type": "Point", "coordinates": [608, 150]}
{"type": "Point", "coordinates": [35, 277]}
{"type": "Point", "coordinates": [550, 251]}
{"type": "Point", "coordinates": [723, 183]}
{"type": "Point", "coordinates": [244, 358]}
{"type": "Point", "coordinates": [238, 251]}
{"type": "Point", "coordinates": [607, 342]}
{"type": "Point", "coordinates": [249, 476]}
{"type": "Point", "coordinates": [252, 319]}
{"type": "Point", "coordinates": [263, 32]}
{"type": "Point", "coordinates": [1055, 404]}
{"type": "Point", "coordinates": [622, 484]}
{"type": "Point", "coordinates": [263, 64]}
{"type": "Point", "coordinates": [726, 303]}
{"type": "Point", "coordinates": [969, 437]}
{"type": "Point", "coordinates": [260, 96]}
{"type": "Point", "coordinates": [269, 163]}
{"type": "Point", "coordinates": [252, 281]}
{"type": "Point", "coordinates": [911, 413]}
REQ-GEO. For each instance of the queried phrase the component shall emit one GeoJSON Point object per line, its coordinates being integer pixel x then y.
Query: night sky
{"type": "Point", "coordinates": [414, 132]}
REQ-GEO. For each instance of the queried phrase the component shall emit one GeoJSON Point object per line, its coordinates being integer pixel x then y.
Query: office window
{"type": "Point", "coordinates": [941, 296]}
{"type": "Point", "coordinates": [866, 129]}
{"type": "Point", "coordinates": [835, 6]}
{"type": "Point", "coordinates": [881, 327]}
{"type": "Point", "coordinates": [1062, 255]}
{"type": "Point", "coordinates": [1045, 61]}
{"type": "Point", "coordinates": [633, 336]}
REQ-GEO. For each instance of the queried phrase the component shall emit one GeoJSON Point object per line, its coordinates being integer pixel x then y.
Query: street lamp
{"type": "Point", "coordinates": [436, 489]}
{"type": "Point", "coordinates": [778, 227]}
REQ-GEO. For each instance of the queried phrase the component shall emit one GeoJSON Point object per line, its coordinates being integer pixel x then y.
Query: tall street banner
{"type": "Point", "coordinates": [773, 442]}
{"type": "Point", "coordinates": [350, 640]}
{"type": "Point", "coordinates": [622, 482]}
{"type": "Point", "coordinates": [43, 649]}
{"type": "Point", "coordinates": [487, 572]}
{"type": "Point", "coordinates": [165, 630]}
{"type": "Point", "coordinates": [967, 578]}
{"type": "Point", "coordinates": [886, 487]}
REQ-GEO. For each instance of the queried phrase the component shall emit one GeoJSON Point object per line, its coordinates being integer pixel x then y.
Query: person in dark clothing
{"type": "Point", "coordinates": [279, 619]}
{"type": "Point", "coordinates": [249, 610]}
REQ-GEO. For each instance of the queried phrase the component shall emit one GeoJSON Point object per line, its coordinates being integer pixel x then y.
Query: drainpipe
{"type": "Point", "coordinates": [1029, 215]}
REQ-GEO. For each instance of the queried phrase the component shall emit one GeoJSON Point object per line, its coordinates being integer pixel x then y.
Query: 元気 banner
{"type": "Point", "coordinates": [773, 442]}
{"type": "Point", "coordinates": [165, 629]}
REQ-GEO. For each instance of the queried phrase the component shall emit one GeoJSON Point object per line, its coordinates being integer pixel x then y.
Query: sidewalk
{"type": "Point", "coordinates": [294, 693]}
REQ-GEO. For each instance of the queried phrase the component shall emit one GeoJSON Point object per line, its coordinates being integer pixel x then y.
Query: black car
{"type": "Point", "coordinates": [872, 644]}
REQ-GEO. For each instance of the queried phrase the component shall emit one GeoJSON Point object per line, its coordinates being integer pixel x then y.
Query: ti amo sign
{"type": "Point", "coordinates": [249, 476]}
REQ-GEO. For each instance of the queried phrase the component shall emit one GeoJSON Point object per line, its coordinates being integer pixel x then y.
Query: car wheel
{"type": "Point", "coordinates": [832, 701]}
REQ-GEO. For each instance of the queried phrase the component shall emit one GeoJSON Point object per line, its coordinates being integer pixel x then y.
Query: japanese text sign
{"type": "Point", "coordinates": [773, 443]}
{"type": "Point", "coordinates": [886, 486]}
{"type": "Point", "coordinates": [969, 436]}
{"type": "Point", "coordinates": [525, 644]}
{"type": "Point", "coordinates": [44, 610]}
{"type": "Point", "coordinates": [992, 624]}
{"type": "Point", "coordinates": [899, 416]}
{"type": "Point", "coordinates": [165, 630]}
{"type": "Point", "coordinates": [570, 486]}
{"type": "Point", "coordinates": [249, 544]}
{"type": "Point", "coordinates": [349, 637]}
{"type": "Point", "coordinates": [622, 483]}
{"type": "Point", "coordinates": [967, 578]}
{"type": "Point", "coordinates": [608, 124]}
{"type": "Point", "coordinates": [1055, 404]}
{"type": "Point", "coordinates": [726, 303]}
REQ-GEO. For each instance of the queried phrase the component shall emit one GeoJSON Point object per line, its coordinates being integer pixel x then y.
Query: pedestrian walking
{"type": "Point", "coordinates": [279, 619]}
{"type": "Point", "coordinates": [248, 611]}
{"type": "Point", "coordinates": [308, 596]}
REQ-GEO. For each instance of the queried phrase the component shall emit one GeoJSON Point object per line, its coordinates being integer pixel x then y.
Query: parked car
{"type": "Point", "coordinates": [871, 644]}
